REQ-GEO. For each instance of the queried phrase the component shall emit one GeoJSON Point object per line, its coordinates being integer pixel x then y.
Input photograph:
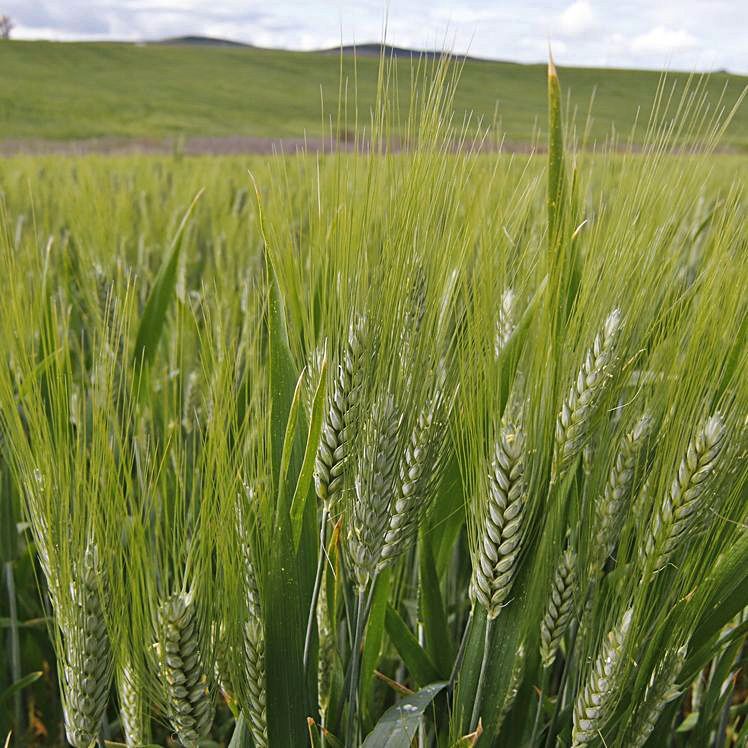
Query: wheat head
{"type": "Point", "coordinates": [88, 662]}
{"type": "Point", "coordinates": [618, 488]}
{"type": "Point", "coordinates": [502, 532]}
{"type": "Point", "coordinates": [334, 439]}
{"type": "Point", "coordinates": [560, 608]}
{"type": "Point", "coordinates": [189, 703]}
{"type": "Point", "coordinates": [679, 509]}
{"type": "Point", "coordinates": [593, 705]}
{"type": "Point", "coordinates": [374, 484]}
{"type": "Point", "coordinates": [573, 422]}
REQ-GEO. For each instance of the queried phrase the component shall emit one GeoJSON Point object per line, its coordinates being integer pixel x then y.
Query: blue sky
{"type": "Point", "coordinates": [675, 34]}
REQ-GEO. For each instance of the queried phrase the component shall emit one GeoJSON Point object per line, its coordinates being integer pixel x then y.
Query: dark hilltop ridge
{"type": "Point", "coordinates": [368, 49]}
{"type": "Point", "coordinates": [374, 49]}
{"type": "Point", "coordinates": [200, 41]}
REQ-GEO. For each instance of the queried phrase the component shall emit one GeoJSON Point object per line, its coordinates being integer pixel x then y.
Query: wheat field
{"type": "Point", "coordinates": [420, 445]}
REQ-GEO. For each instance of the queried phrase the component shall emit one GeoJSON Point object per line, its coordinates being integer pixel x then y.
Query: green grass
{"type": "Point", "coordinates": [88, 90]}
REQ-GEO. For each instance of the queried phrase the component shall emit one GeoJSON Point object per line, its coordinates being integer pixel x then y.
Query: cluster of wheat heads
{"type": "Point", "coordinates": [421, 446]}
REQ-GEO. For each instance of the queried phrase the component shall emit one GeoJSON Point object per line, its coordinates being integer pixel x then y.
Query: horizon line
{"type": "Point", "coordinates": [465, 56]}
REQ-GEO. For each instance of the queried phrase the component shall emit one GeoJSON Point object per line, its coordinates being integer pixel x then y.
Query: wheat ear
{"type": "Point", "coordinates": [505, 323]}
{"type": "Point", "coordinates": [618, 488]}
{"type": "Point", "coordinates": [254, 654]}
{"type": "Point", "coordinates": [502, 532]}
{"type": "Point", "coordinates": [311, 377]}
{"type": "Point", "coordinates": [593, 705]}
{"type": "Point", "coordinates": [679, 509]}
{"type": "Point", "coordinates": [335, 437]}
{"type": "Point", "coordinates": [224, 654]}
{"type": "Point", "coordinates": [373, 484]}
{"type": "Point", "coordinates": [191, 408]}
{"type": "Point", "coordinates": [189, 703]}
{"type": "Point", "coordinates": [415, 309]}
{"type": "Point", "coordinates": [132, 709]}
{"type": "Point", "coordinates": [573, 422]}
{"type": "Point", "coordinates": [414, 486]}
{"type": "Point", "coordinates": [560, 608]}
{"type": "Point", "coordinates": [88, 663]}
{"type": "Point", "coordinates": [661, 690]}
{"type": "Point", "coordinates": [332, 452]}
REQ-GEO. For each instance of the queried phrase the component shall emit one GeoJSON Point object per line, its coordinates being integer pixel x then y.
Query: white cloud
{"type": "Point", "coordinates": [662, 40]}
{"type": "Point", "coordinates": [685, 34]}
{"type": "Point", "coordinates": [578, 18]}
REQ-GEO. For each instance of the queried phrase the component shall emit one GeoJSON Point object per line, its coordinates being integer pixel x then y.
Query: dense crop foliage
{"type": "Point", "coordinates": [421, 446]}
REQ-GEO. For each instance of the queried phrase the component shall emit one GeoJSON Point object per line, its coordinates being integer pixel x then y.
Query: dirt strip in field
{"type": "Point", "coordinates": [237, 145]}
{"type": "Point", "coordinates": [200, 146]}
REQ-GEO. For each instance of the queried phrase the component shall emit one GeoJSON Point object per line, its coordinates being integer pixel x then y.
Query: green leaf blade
{"type": "Point", "coordinates": [398, 725]}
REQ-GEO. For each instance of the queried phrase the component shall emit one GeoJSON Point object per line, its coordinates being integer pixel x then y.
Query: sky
{"type": "Point", "coordinates": [672, 34]}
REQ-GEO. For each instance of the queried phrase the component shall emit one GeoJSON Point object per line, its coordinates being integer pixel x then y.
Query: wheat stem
{"type": "Point", "coordinates": [15, 645]}
{"type": "Point", "coordinates": [478, 698]}
{"type": "Point", "coordinates": [461, 650]}
{"type": "Point", "coordinates": [544, 682]}
{"type": "Point", "coordinates": [352, 722]}
{"type": "Point", "coordinates": [317, 582]}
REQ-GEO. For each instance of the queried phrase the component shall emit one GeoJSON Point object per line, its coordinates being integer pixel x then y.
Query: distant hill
{"type": "Point", "coordinates": [214, 88]}
{"type": "Point", "coordinates": [369, 49]}
{"type": "Point", "coordinates": [375, 49]}
{"type": "Point", "coordinates": [200, 41]}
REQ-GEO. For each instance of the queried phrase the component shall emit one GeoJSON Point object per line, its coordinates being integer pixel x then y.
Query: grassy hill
{"type": "Point", "coordinates": [85, 90]}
